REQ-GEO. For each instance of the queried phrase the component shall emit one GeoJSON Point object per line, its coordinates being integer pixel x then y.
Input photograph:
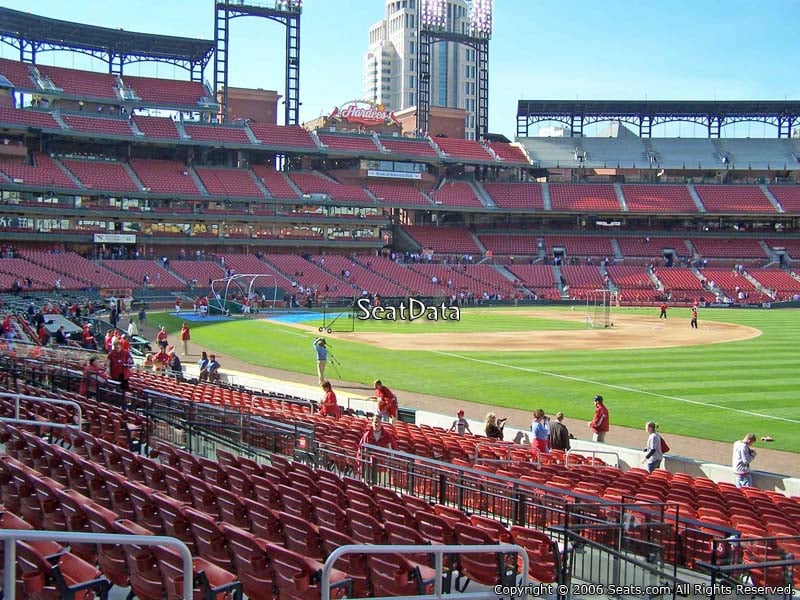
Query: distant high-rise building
{"type": "Point", "coordinates": [391, 62]}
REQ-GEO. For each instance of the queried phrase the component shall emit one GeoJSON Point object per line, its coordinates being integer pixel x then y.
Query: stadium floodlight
{"type": "Point", "coordinates": [480, 18]}
{"type": "Point", "coordinates": [433, 14]}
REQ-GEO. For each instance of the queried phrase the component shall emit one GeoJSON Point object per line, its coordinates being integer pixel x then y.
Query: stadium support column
{"type": "Point", "coordinates": [482, 125]}
{"type": "Point", "coordinates": [424, 89]}
{"type": "Point", "coordinates": [292, 115]}
{"type": "Point", "coordinates": [221, 34]}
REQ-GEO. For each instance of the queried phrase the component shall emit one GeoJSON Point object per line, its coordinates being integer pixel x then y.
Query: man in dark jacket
{"type": "Point", "coordinates": [559, 434]}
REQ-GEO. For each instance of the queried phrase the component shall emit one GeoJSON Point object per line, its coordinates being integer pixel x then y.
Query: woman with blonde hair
{"type": "Point", "coordinates": [493, 427]}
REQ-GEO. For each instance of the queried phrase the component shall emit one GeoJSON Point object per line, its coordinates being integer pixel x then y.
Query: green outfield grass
{"type": "Point", "coordinates": [717, 391]}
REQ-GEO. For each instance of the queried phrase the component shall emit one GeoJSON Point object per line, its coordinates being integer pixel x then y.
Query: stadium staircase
{"type": "Point", "coordinates": [559, 276]}
{"type": "Point", "coordinates": [621, 197]}
{"type": "Point", "coordinates": [773, 200]}
{"type": "Point", "coordinates": [182, 130]}
{"type": "Point", "coordinates": [251, 136]}
{"type": "Point", "coordinates": [136, 131]}
{"type": "Point", "coordinates": [478, 243]}
{"type": "Point", "coordinates": [693, 193]}
{"type": "Point", "coordinates": [316, 139]}
{"type": "Point", "coordinates": [773, 258]}
{"type": "Point", "coordinates": [197, 181]}
{"type": "Point", "coordinates": [68, 173]}
{"type": "Point", "coordinates": [132, 174]}
{"type": "Point", "coordinates": [57, 118]}
{"type": "Point", "coordinates": [482, 194]}
{"type": "Point", "coordinates": [259, 184]}
{"type": "Point", "coordinates": [617, 250]}
{"type": "Point", "coordinates": [546, 201]}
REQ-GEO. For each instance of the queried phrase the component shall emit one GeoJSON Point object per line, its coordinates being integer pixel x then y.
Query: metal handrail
{"type": "Point", "coordinates": [18, 397]}
{"type": "Point", "coordinates": [438, 552]}
{"type": "Point", "coordinates": [9, 537]}
{"type": "Point", "coordinates": [593, 453]}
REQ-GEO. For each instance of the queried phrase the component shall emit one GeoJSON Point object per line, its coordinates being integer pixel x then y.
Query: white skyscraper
{"type": "Point", "coordinates": [391, 63]}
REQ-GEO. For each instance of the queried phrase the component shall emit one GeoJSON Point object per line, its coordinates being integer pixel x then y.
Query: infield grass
{"type": "Point", "coordinates": [716, 392]}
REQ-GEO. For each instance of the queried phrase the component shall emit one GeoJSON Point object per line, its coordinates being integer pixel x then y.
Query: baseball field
{"type": "Point", "coordinates": [737, 372]}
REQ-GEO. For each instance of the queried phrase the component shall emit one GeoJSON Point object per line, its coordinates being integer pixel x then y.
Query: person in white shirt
{"type": "Point", "coordinates": [743, 455]}
{"type": "Point", "coordinates": [652, 452]}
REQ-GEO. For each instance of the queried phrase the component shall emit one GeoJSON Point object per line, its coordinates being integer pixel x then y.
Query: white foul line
{"type": "Point", "coordinates": [616, 387]}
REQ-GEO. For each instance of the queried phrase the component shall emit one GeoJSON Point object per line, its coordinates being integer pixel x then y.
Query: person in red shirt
{"type": "Point", "coordinates": [120, 363]}
{"type": "Point", "coordinates": [161, 360]}
{"type": "Point", "coordinates": [387, 402]}
{"type": "Point", "coordinates": [378, 436]}
{"type": "Point", "coordinates": [161, 338]}
{"type": "Point", "coordinates": [693, 322]}
{"type": "Point", "coordinates": [185, 337]}
{"type": "Point", "coordinates": [125, 343]}
{"type": "Point", "coordinates": [599, 424]}
{"type": "Point", "coordinates": [663, 314]}
{"type": "Point", "coordinates": [44, 336]}
{"type": "Point", "coordinates": [87, 337]}
{"type": "Point", "coordinates": [92, 376]}
{"type": "Point", "coordinates": [329, 406]}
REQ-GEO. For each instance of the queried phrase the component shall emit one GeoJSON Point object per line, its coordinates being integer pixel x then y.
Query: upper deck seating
{"type": "Point", "coordinates": [218, 134]}
{"type": "Point", "coordinates": [455, 193]}
{"type": "Point", "coordinates": [42, 277]}
{"type": "Point", "coordinates": [516, 195]}
{"type": "Point", "coordinates": [579, 245]}
{"type": "Point", "coordinates": [229, 182]}
{"type": "Point", "coordinates": [747, 248]}
{"type": "Point", "coordinates": [29, 118]}
{"type": "Point", "coordinates": [104, 125]}
{"type": "Point", "coordinates": [467, 150]}
{"type": "Point", "coordinates": [397, 193]}
{"type": "Point", "coordinates": [584, 197]}
{"type": "Point", "coordinates": [84, 84]}
{"type": "Point", "coordinates": [155, 91]}
{"type": "Point", "coordinates": [135, 270]}
{"type": "Point", "coordinates": [349, 143]}
{"type": "Point", "coordinates": [315, 183]}
{"type": "Point", "coordinates": [45, 172]}
{"type": "Point", "coordinates": [409, 147]}
{"type": "Point", "coordinates": [165, 176]}
{"type": "Point", "coordinates": [659, 198]}
{"type": "Point", "coordinates": [291, 136]}
{"type": "Point", "coordinates": [275, 182]}
{"type": "Point", "coordinates": [77, 267]}
{"type": "Point", "coordinates": [641, 247]}
{"type": "Point", "coordinates": [734, 199]}
{"type": "Point", "coordinates": [101, 175]}
{"type": "Point", "coordinates": [508, 153]}
{"type": "Point", "coordinates": [788, 196]}
{"type": "Point", "coordinates": [157, 127]}
{"type": "Point", "coordinates": [18, 73]}
{"type": "Point", "coordinates": [515, 243]}
{"type": "Point", "coordinates": [444, 240]}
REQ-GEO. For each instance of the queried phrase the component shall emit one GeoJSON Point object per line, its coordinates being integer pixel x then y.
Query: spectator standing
{"type": "Point", "coordinates": [213, 368]}
{"type": "Point", "coordinates": [92, 376]}
{"type": "Point", "coordinates": [202, 364]}
{"type": "Point", "coordinates": [142, 319]}
{"type": "Point", "coordinates": [321, 351]}
{"type": "Point", "coordinates": [133, 330]}
{"type": "Point", "coordinates": [378, 436]}
{"type": "Point", "coordinates": [541, 432]}
{"type": "Point", "coordinates": [599, 424]}
{"type": "Point", "coordinates": [743, 455]}
{"type": "Point", "coordinates": [120, 363]}
{"type": "Point", "coordinates": [460, 425]}
{"type": "Point", "coordinates": [652, 451]}
{"type": "Point", "coordinates": [387, 401]}
{"type": "Point", "coordinates": [493, 427]}
{"type": "Point", "coordinates": [175, 368]}
{"type": "Point", "coordinates": [161, 338]}
{"type": "Point", "coordinates": [330, 406]}
{"type": "Point", "coordinates": [559, 434]}
{"type": "Point", "coordinates": [185, 337]}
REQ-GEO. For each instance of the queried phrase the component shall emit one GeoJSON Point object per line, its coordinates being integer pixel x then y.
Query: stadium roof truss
{"type": "Point", "coordinates": [31, 34]}
{"type": "Point", "coordinates": [714, 115]}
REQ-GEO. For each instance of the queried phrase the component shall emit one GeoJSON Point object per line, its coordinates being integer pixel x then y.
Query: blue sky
{"type": "Point", "coordinates": [541, 49]}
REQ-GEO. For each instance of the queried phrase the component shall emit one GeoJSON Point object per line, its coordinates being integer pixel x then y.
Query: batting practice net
{"type": "Point", "coordinates": [598, 308]}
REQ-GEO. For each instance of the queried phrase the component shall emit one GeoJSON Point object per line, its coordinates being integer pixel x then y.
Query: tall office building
{"type": "Point", "coordinates": [391, 62]}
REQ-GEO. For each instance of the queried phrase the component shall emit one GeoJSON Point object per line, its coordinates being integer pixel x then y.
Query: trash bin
{"type": "Point", "coordinates": [407, 415]}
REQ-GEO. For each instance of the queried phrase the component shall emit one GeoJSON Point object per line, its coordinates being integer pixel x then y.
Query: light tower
{"type": "Point", "coordinates": [434, 29]}
{"type": "Point", "coordinates": [285, 12]}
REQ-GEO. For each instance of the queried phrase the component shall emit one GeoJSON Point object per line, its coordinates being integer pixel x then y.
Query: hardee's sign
{"type": "Point", "coordinates": [364, 113]}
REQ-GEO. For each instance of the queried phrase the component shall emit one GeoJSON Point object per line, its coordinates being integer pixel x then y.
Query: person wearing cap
{"type": "Point", "coordinates": [599, 424]}
{"type": "Point", "coordinates": [87, 337]}
{"type": "Point", "coordinates": [559, 434]}
{"type": "Point", "coordinates": [460, 425]}
{"type": "Point", "coordinates": [321, 351]}
{"type": "Point", "coordinates": [213, 368]}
